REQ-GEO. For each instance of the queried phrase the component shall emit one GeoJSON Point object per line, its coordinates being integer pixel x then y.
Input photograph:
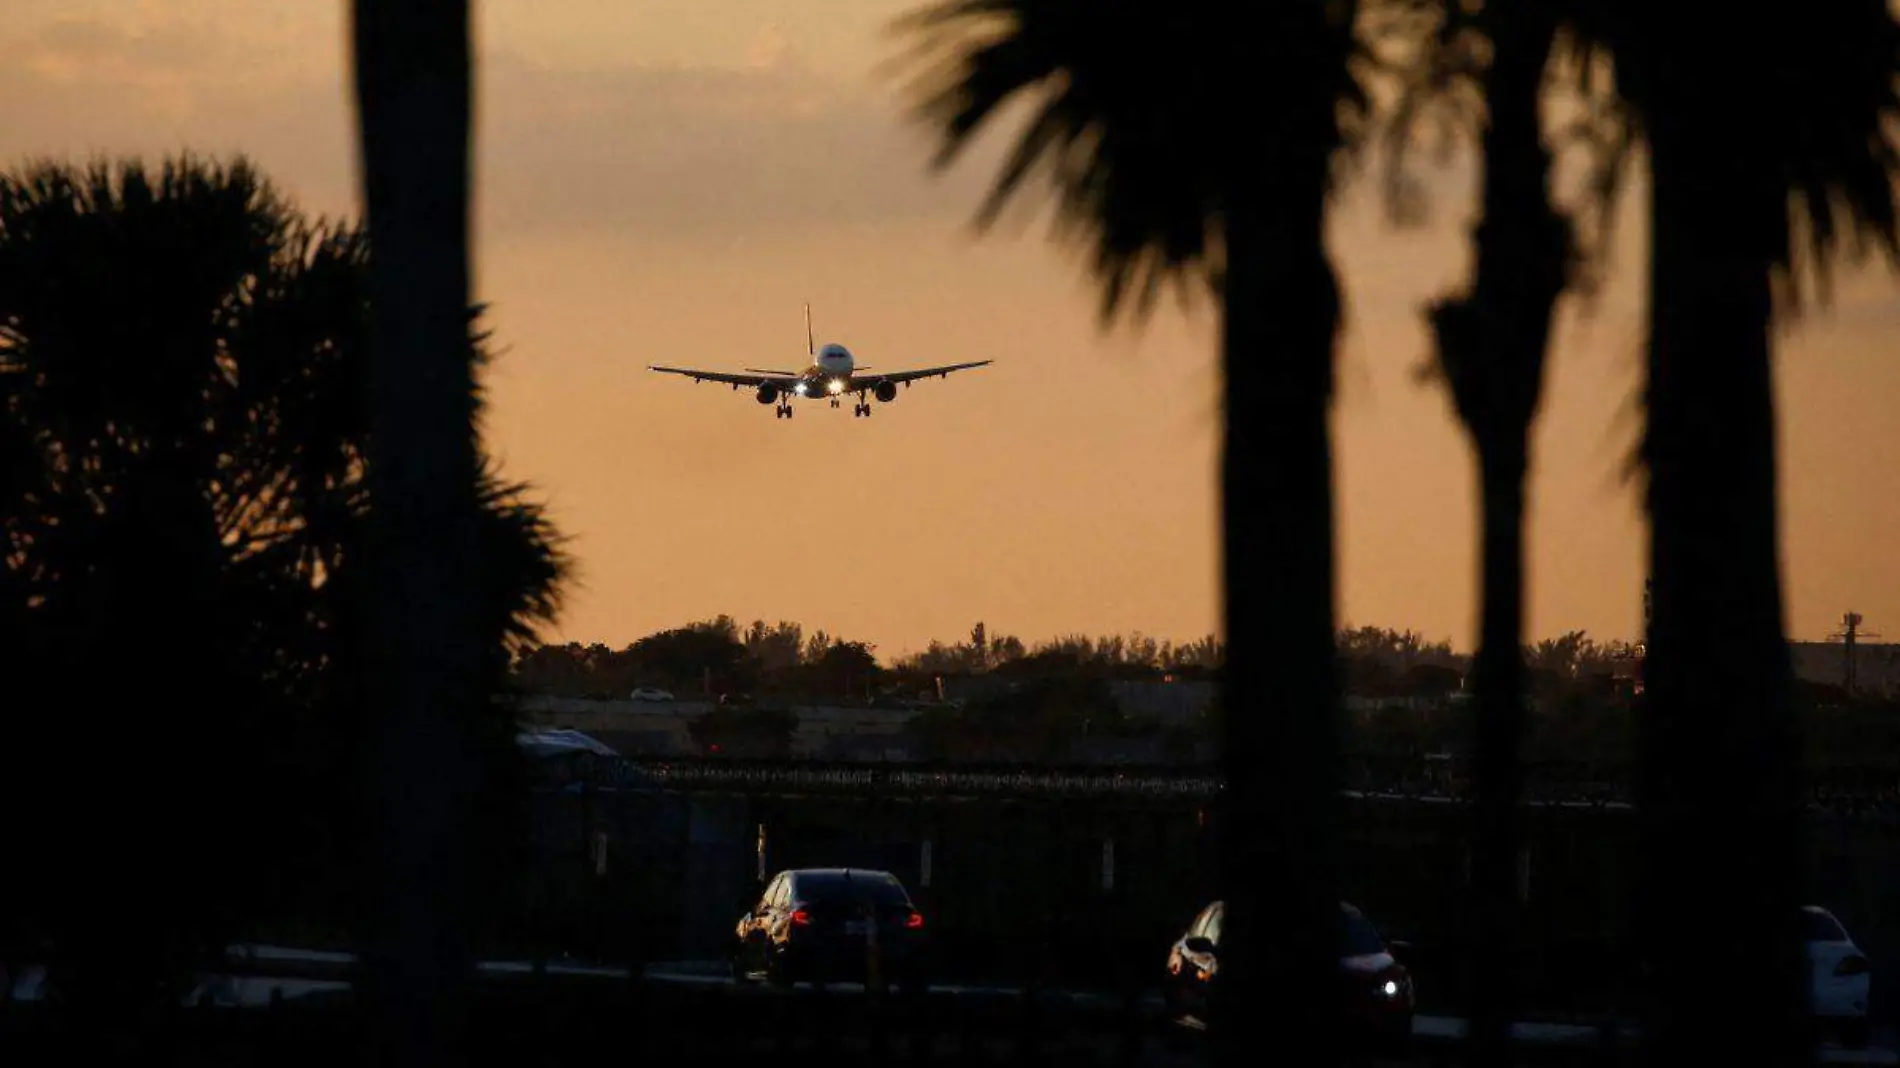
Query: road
{"type": "Point", "coordinates": [1430, 1028]}
{"type": "Point", "coordinates": [264, 973]}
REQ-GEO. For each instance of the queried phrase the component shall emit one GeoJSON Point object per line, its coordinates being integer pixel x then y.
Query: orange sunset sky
{"type": "Point", "coordinates": [666, 181]}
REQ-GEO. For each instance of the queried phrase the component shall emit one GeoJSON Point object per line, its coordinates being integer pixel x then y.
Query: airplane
{"type": "Point", "coordinates": [833, 373]}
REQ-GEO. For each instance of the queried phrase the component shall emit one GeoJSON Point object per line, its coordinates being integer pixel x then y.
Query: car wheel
{"type": "Point", "coordinates": [741, 975]}
{"type": "Point", "coordinates": [1854, 1033]}
{"type": "Point", "coordinates": [775, 970]}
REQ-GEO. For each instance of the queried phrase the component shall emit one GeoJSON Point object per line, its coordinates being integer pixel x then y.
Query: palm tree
{"type": "Point", "coordinates": [1765, 154]}
{"type": "Point", "coordinates": [426, 662]}
{"type": "Point", "coordinates": [223, 333]}
{"type": "Point", "coordinates": [1491, 343]}
{"type": "Point", "coordinates": [112, 280]}
{"type": "Point", "coordinates": [1185, 141]}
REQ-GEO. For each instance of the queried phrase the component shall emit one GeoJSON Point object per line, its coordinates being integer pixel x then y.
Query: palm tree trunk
{"type": "Point", "coordinates": [1491, 348]}
{"type": "Point", "coordinates": [1499, 772]}
{"type": "Point", "coordinates": [1280, 934]}
{"type": "Point", "coordinates": [412, 82]}
{"type": "Point", "coordinates": [1719, 778]}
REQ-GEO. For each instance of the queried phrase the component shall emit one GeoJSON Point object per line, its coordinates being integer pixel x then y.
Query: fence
{"type": "Point", "coordinates": [1088, 884]}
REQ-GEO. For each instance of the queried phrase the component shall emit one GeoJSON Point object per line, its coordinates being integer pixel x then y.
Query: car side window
{"type": "Point", "coordinates": [1198, 928]}
{"type": "Point", "coordinates": [769, 898]}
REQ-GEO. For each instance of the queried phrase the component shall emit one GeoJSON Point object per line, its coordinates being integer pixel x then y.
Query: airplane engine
{"type": "Point", "coordinates": [886, 391]}
{"type": "Point", "coordinates": [768, 394]}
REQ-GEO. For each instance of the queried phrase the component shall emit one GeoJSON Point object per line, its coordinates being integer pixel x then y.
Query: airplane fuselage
{"type": "Point", "coordinates": [829, 375]}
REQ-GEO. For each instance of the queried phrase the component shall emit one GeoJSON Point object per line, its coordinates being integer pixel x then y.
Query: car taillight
{"type": "Point", "coordinates": [1851, 966]}
{"type": "Point", "coordinates": [801, 917]}
{"type": "Point", "coordinates": [915, 921]}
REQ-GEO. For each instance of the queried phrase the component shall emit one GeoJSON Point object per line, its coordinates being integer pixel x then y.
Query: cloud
{"type": "Point", "coordinates": [700, 151]}
{"type": "Point", "coordinates": [645, 152]}
{"type": "Point", "coordinates": [153, 80]}
{"type": "Point", "coordinates": [770, 49]}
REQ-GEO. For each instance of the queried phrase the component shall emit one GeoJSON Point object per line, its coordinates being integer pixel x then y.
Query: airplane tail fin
{"type": "Point", "coordinates": [811, 347]}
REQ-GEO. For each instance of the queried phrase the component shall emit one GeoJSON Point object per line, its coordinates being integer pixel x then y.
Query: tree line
{"type": "Point", "coordinates": [719, 656]}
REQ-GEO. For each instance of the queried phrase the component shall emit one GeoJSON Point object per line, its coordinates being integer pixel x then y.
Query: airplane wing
{"type": "Point", "coordinates": [754, 380]}
{"type": "Point", "coordinates": [860, 383]}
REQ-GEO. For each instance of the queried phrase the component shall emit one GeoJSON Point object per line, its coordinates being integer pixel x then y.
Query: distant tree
{"type": "Point", "coordinates": [1565, 656]}
{"type": "Point", "coordinates": [844, 669]}
{"type": "Point", "coordinates": [1363, 675]}
{"type": "Point", "coordinates": [936, 659]}
{"type": "Point", "coordinates": [778, 648]}
{"type": "Point", "coordinates": [1006, 648]}
{"type": "Point", "coordinates": [1036, 721]}
{"type": "Point", "coordinates": [1430, 680]}
{"type": "Point", "coordinates": [559, 670]}
{"type": "Point", "coordinates": [816, 645]}
{"type": "Point", "coordinates": [686, 658]}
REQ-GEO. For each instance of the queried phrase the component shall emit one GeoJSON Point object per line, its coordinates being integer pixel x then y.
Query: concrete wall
{"type": "Point", "coordinates": [640, 726]}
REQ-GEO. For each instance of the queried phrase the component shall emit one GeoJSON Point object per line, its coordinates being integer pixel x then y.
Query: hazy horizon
{"type": "Point", "coordinates": [662, 182]}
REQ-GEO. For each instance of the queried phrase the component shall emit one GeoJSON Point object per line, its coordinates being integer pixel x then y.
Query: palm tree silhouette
{"type": "Point", "coordinates": [185, 501]}
{"type": "Point", "coordinates": [1491, 343]}
{"type": "Point", "coordinates": [1186, 141]}
{"type": "Point", "coordinates": [426, 664]}
{"type": "Point", "coordinates": [112, 281]}
{"type": "Point", "coordinates": [1765, 156]}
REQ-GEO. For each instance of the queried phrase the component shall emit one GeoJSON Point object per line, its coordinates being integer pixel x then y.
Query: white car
{"type": "Point", "coordinates": [648, 693]}
{"type": "Point", "coordinates": [1841, 977]}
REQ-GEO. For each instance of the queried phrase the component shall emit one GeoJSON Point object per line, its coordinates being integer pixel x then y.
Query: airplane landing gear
{"type": "Point", "coordinates": [862, 410]}
{"type": "Point", "coordinates": [784, 411]}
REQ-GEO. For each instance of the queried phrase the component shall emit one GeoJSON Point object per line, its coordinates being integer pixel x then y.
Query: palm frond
{"type": "Point", "coordinates": [1140, 114]}
{"type": "Point", "coordinates": [528, 564]}
{"type": "Point", "coordinates": [1806, 98]}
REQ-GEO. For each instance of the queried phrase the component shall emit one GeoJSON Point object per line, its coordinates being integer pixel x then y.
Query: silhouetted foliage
{"type": "Point", "coordinates": [844, 669]}
{"type": "Point", "coordinates": [706, 657]}
{"type": "Point", "coordinates": [183, 367]}
{"type": "Point", "coordinates": [1754, 183]}
{"type": "Point", "coordinates": [1034, 721]}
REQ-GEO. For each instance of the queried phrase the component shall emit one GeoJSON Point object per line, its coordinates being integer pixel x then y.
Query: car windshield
{"type": "Point", "coordinates": [1360, 938]}
{"type": "Point", "coordinates": [855, 888]}
{"type": "Point", "coordinates": [1820, 927]}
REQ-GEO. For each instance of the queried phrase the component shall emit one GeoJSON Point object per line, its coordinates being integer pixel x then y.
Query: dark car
{"type": "Point", "coordinates": [825, 925]}
{"type": "Point", "coordinates": [1376, 988]}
